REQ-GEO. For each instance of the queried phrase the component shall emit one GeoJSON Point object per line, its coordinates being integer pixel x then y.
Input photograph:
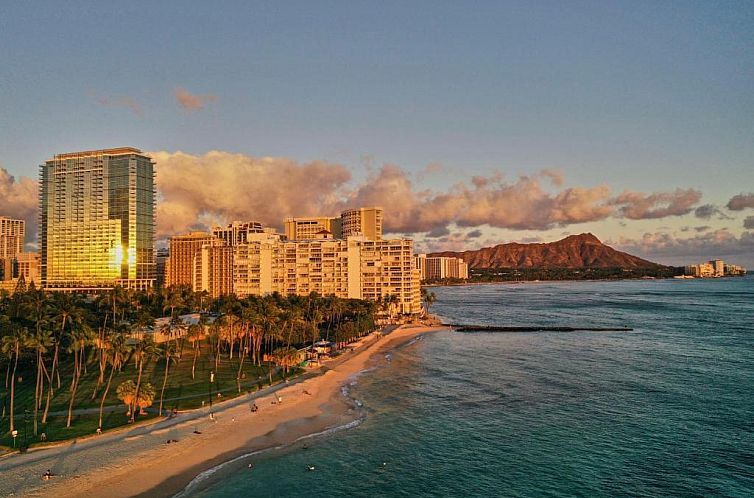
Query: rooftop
{"type": "Point", "coordinates": [119, 151]}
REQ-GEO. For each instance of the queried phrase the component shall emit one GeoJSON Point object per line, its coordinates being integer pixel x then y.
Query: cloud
{"type": "Point", "coordinates": [432, 168]}
{"type": "Point", "coordinates": [555, 176]}
{"type": "Point", "coordinates": [123, 101]}
{"type": "Point", "coordinates": [196, 191]}
{"type": "Point", "coordinates": [521, 204]}
{"type": "Point", "coordinates": [707, 211]}
{"type": "Point", "coordinates": [18, 199]}
{"type": "Point", "coordinates": [192, 102]}
{"type": "Point", "coordinates": [666, 248]}
{"type": "Point", "coordinates": [740, 202]}
{"type": "Point", "coordinates": [639, 206]}
{"type": "Point", "coordinates": [438, 232]}
{"type": "Point", "coordinates": [219, 187]}
{"type": "Point", "coordinates": [456, 241]}
{"type": "Point", "coordinates": [749, 223]}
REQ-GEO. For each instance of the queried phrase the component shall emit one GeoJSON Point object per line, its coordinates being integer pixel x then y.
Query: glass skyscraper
{"type": "Point", "coordinates": [97, 220]}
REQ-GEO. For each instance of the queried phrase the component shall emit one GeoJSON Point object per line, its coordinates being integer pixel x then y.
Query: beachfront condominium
{"type": "Point", "coordinates": [97, 220]}
{"type": "Point", "coordinates": [12, 235]}
{"type": "Point", "coordinates": [266, 263]}
{"type": "Point", "coordinates": [348, 268]}
{"type": "Point", "coordinates": [364, 221]}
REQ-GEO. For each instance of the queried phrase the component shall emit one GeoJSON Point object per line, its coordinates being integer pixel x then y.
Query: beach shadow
{"type": "Point", "coordinates": [59, 466]}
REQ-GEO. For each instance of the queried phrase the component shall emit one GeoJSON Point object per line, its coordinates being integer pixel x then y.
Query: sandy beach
{"type": "Point", "coordinates": [161, 459]}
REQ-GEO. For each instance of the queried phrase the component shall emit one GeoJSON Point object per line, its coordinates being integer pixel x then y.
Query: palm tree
{"type": "Point", "coordinates": [66, 311]}
{"type": "Point", "coordinates": [36, 309]}
{"type": "Point", "coordinates": [169, 352]}
{"type": "Point", "coordinates": [195, 335]}
{"type": "Point", "coordinates": [11, 345]}
{"type": "Point", "coordinates": [145, 350]}
{"type": "Point", "coordinates": [127, 394]}
{"type": "Point", "coordinates": [80, 337]}
{"type": "Point", "coordinates": [286, 357]}
{"type": "Point", "coordinates": [144, 398]}
{"type": "Point", "coordinates": [117, 350]}
{"type": "Point", "coordinates": [38, 342]}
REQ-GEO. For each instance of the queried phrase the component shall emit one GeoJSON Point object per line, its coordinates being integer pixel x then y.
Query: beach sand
{"type": "Point", "coordinates": [140, 460]}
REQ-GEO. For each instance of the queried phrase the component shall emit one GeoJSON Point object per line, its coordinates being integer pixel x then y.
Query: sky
{"type": "Point", "coordinates": [470, 123]}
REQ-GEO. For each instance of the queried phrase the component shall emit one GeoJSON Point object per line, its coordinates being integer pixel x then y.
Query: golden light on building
{"type": "Point", "coordinates": [97, 220]}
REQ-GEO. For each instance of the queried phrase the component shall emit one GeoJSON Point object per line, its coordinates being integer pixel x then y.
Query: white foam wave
{"type": "Point", "coordinates": [203, 476]}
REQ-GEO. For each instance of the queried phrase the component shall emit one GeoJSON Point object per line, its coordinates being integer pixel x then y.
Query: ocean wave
{"type": "Point", "coordinates": [203, 476]}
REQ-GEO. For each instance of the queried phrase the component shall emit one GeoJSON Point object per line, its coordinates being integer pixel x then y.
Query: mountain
{"type": "Point", "coordinates": [575, 251]}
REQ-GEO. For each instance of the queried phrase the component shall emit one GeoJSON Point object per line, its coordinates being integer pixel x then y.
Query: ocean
{"type": "Point", "coordinates": [664, 410]}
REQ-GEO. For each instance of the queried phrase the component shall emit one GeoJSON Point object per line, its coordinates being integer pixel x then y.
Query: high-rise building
{"type": "Point", "coordinates": [97, 220]}
{"type": "Point", "coordinates": [161, 259]}
{"type": "Point", "coordinates": [311, 227]}
{"type": "Point", "coordinates": [387, 271]}
{"type": "Point", "coordinates": [213, 269]}
{"type": "Point", "coordinates": [237, 232]}
{"type": "Point", "coordinates": [366, 222]}
{"type": "Point", "coordinates": [354, 268]}
{"type": "Point", "coordinates": [180, 266]}
{"type": "Point", "coordinates": [718, 266]}
{"type": "Point", "coordinates": [12, 235]}
{"type": "Point", "coordinates": [440, 267]}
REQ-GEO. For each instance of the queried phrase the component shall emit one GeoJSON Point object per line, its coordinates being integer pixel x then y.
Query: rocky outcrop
{"type": "Point", "coordinates": [575, 251]}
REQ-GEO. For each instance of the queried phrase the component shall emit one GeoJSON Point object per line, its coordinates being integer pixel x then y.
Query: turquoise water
{"type": "Point", "coordinates": [666, 410]}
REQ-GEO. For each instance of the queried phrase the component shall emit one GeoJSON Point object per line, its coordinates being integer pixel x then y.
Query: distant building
{"type": "Point", "coordinates": [308, 228]}
{"type": "Point", "coordinates": [440, 267]}
{"type": "Point", "coordinates": [366, 222]}
{"type": "Point", "coordinates": [12, 236]}
{"type": "Point", "coordinates": [718, 266]}
{"type": "Point", "coordinates": [162, 260]}
{"type": "Point", "coordinates": [237, 232]}
{"type": "Point", "coordinates": [97, 220]}
{"type": "Point", "coordinates": [363, 222]}
{"type": "Point", "coordinates": [23, 267]}
{"type": "Point", "coordinates": [714, 268]}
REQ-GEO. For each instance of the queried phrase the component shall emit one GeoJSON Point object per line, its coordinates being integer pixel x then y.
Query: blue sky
{"type": "Point", "coordinates": [640, 96]}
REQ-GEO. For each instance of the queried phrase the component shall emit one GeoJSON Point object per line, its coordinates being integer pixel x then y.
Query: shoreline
{"type": "Point", "coordinates": [569, 280]}
{"type": "Point", "coordinates": [163, 458]}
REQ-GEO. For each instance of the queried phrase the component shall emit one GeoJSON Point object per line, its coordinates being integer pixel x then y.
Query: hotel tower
{"type": "Point", "coordinates": [97, 220]}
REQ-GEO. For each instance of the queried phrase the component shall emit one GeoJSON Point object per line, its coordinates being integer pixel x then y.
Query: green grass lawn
{"type": "Point", "coordinates": [182, 393]}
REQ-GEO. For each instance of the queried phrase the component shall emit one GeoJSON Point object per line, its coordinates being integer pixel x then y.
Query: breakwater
{"type": "Point", "coordinates": [514, 328]}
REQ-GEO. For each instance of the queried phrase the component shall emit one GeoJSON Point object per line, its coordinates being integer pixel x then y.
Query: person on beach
{"type": "Point", "coordinates": [47, 475]}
